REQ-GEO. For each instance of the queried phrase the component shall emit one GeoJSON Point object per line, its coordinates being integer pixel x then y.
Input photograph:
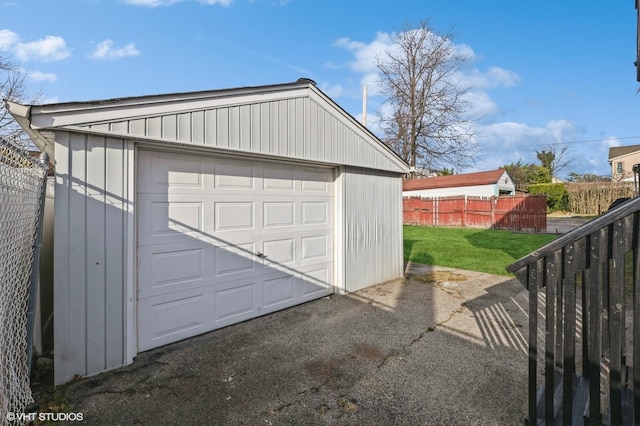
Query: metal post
{"type": "Point", "coordinates": [35, 265]}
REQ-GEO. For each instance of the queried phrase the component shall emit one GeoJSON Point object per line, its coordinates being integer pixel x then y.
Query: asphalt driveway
{"type": "Point", "coordinates": [402, 352]}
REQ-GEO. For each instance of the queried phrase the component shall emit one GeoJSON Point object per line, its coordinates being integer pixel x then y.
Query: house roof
{"type": "Point", "coordinates": [290, 120]}
{"type": "Point", "coordinates": [468, 179]}
{"type": "Point", "coordinates": [619, 151]}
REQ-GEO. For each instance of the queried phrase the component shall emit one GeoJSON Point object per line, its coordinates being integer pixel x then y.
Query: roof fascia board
{"type": "Point", "coordinates": [22, 115]}
{"type": "Point", "coordinates": [317, 95]}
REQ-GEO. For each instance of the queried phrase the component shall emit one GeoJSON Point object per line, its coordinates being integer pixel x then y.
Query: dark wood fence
{"type": "Point", "coordinates": [528, 213]}
{"type": "Point", "coordinates": [585, 286]}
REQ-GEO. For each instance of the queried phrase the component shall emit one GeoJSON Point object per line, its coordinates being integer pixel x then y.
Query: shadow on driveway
{"type": "Point", "coordinates": [402, 352]}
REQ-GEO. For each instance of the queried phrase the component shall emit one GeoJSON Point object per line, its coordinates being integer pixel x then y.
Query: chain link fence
{"type": "Point", "coordinates": [22, 181]}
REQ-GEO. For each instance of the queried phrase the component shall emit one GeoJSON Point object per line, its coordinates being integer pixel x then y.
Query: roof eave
{"type": "Point", "coordinates": [22, 115]}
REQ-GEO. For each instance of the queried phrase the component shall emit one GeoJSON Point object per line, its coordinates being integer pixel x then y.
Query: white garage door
{"type": "Point", "coordinates": [224, 240]}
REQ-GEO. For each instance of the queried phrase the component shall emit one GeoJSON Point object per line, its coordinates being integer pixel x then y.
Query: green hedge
{"type": "Point", "coordinates": [557, 195]}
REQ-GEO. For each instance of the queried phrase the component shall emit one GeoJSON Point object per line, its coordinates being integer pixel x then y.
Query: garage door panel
{"type": "Point", "coordinates": [316, 282]}
{"type": "Point", "coordinates": [178, 217]}
{"type": "Point", "coordinates": [316, 180]}
{"type": "Point", "coordinates": [236, 261]}
{"type": "Point", "coordinates": [315, 247]}
{"type": "Point", "coordinates": [279, 214]}
{"type": "Point", "coordinates": [279, 292]}
{"type": "Point", "coordinates": [176, 172]}
{"type": "Point", "coordinates": [236, 175]}
{"type": "Point", "coordinates": [281, 251]}
{"type": "Point", "coordinates": [172, 317]}
{"type": "Point", "coordinates": [278, 178]}
{"type": "Point", "coordinates": [169, 221]}
{"type": "Point", "coordinates": [162, 173]}
{"type": "Point", "coordinates": [236, 301]}
{"type": "Point", "coordinates": [173, 267]}
{"type": "Point", "coordinates": [315, 213]}
{"type": "Point", "coordinates": [234, 215]}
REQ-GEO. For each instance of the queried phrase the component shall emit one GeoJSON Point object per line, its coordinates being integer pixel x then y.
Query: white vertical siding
{"type": "Point", "coordinates": [489, 190]}
{"type": "Point", "coordinates": [297, 128]}
{"type": "Point", "coordinates": [372, 203]}
{"type": "Point", "coordinates": [92, 190]}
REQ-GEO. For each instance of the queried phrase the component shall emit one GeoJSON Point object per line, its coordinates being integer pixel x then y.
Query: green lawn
{"type": "Point", "coordinates": [482, 250]}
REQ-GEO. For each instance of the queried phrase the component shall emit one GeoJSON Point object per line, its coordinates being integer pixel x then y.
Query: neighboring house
{"type": "Point", "coordinates": [622, 159]}
{"type": "Point", "coordinates": [182, 213]}
{"type": "Point", "coordinates": [491, 183]}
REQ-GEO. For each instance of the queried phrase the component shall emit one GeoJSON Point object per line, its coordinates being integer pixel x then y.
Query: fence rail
{"type": "Point", "coordinates": [521, 213]}
{"type": "Point", "coordinates": [22, 183]}
{"type": "Point", "coordinates": [590, 339]}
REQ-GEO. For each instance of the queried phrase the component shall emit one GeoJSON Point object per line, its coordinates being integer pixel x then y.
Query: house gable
{"type": "Point", "coordinates": [294, 121]}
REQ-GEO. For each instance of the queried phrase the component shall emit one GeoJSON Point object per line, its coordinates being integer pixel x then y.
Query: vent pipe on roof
{"type": "Point", "coordinates": [306, 80]}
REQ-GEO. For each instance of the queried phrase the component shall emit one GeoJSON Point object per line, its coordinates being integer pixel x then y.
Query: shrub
{"type": "Point", "coordinates": [557, 196]}
{"type": "Point", "coordinates": [596, 197]}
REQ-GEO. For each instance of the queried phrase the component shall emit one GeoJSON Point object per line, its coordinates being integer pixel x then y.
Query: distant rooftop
{"type": "Point", "coordinates": [467, 179]}
{"type": "Point", "coordinates": [619, 151]}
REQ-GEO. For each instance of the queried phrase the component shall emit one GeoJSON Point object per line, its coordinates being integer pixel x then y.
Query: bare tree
{"type": "Point", "coordinates": [427, 124]}
{"type": "Point", "coordinates": [13, 88]}
{"type": "Point", "coordinates": [555, 157]}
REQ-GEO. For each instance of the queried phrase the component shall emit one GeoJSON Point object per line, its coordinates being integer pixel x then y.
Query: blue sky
{"type": "Point", "coordinates": [541, 72]}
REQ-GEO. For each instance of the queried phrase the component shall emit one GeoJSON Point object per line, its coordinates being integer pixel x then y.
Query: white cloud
{"type": "Point", "coordinates": [509, 142]}
{"type": "Point", "coordinates": [510, 134]}
{"type": "Point", "coordinates": [372, 81]}
{"type": "Point", "coordinates": [8, 39]}
{"type": "Point", "coordinates": [42, 76]}
{"type": "Point", "coordinates": [494, 77]}
{"type": "Point", "coordinates": [49, 48]}
{"type": "Point", "coordinates": [366, 55]}
{"type": "Point", "coordinates": [612, 141]}
{"type": "Point", "coordinates": [106, 51]}
{"type": "Point", "coordinates": [333, 91]}
{"type": "Point", "coordinates": [465, 51]}
{"type": "Point", "coordinates": [481, 107]}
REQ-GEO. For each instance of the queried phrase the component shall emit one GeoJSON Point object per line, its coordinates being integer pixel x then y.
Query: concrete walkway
{"type": "Point", "coordinates": [402, 352]}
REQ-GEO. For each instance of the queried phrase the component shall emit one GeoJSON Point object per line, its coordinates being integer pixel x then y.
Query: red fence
{"type": "Point", "coordinates": [518, 213]}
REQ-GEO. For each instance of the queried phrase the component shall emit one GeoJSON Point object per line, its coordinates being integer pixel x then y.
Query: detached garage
{"type": "Point", "coordinates": [179, 214]}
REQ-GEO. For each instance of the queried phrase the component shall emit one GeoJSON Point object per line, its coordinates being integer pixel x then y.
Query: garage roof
{"type": "Point", "coordinates": [469, 179]}
{"type": "Point", "coordinates": [292, 120]}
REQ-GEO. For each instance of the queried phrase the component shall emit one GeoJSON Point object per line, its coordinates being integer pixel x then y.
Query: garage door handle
{"type": "Point", "coordinates": [262, 255]}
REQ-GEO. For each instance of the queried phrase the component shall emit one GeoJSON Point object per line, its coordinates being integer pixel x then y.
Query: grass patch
{"type": "Point", "coordinates": [481, 250]}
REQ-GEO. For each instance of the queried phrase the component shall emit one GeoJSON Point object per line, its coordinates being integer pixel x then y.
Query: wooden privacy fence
{"type": "Point", "coordinates": [519, 213]}
{"type": "Point", "coordinates": [584, 295]}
